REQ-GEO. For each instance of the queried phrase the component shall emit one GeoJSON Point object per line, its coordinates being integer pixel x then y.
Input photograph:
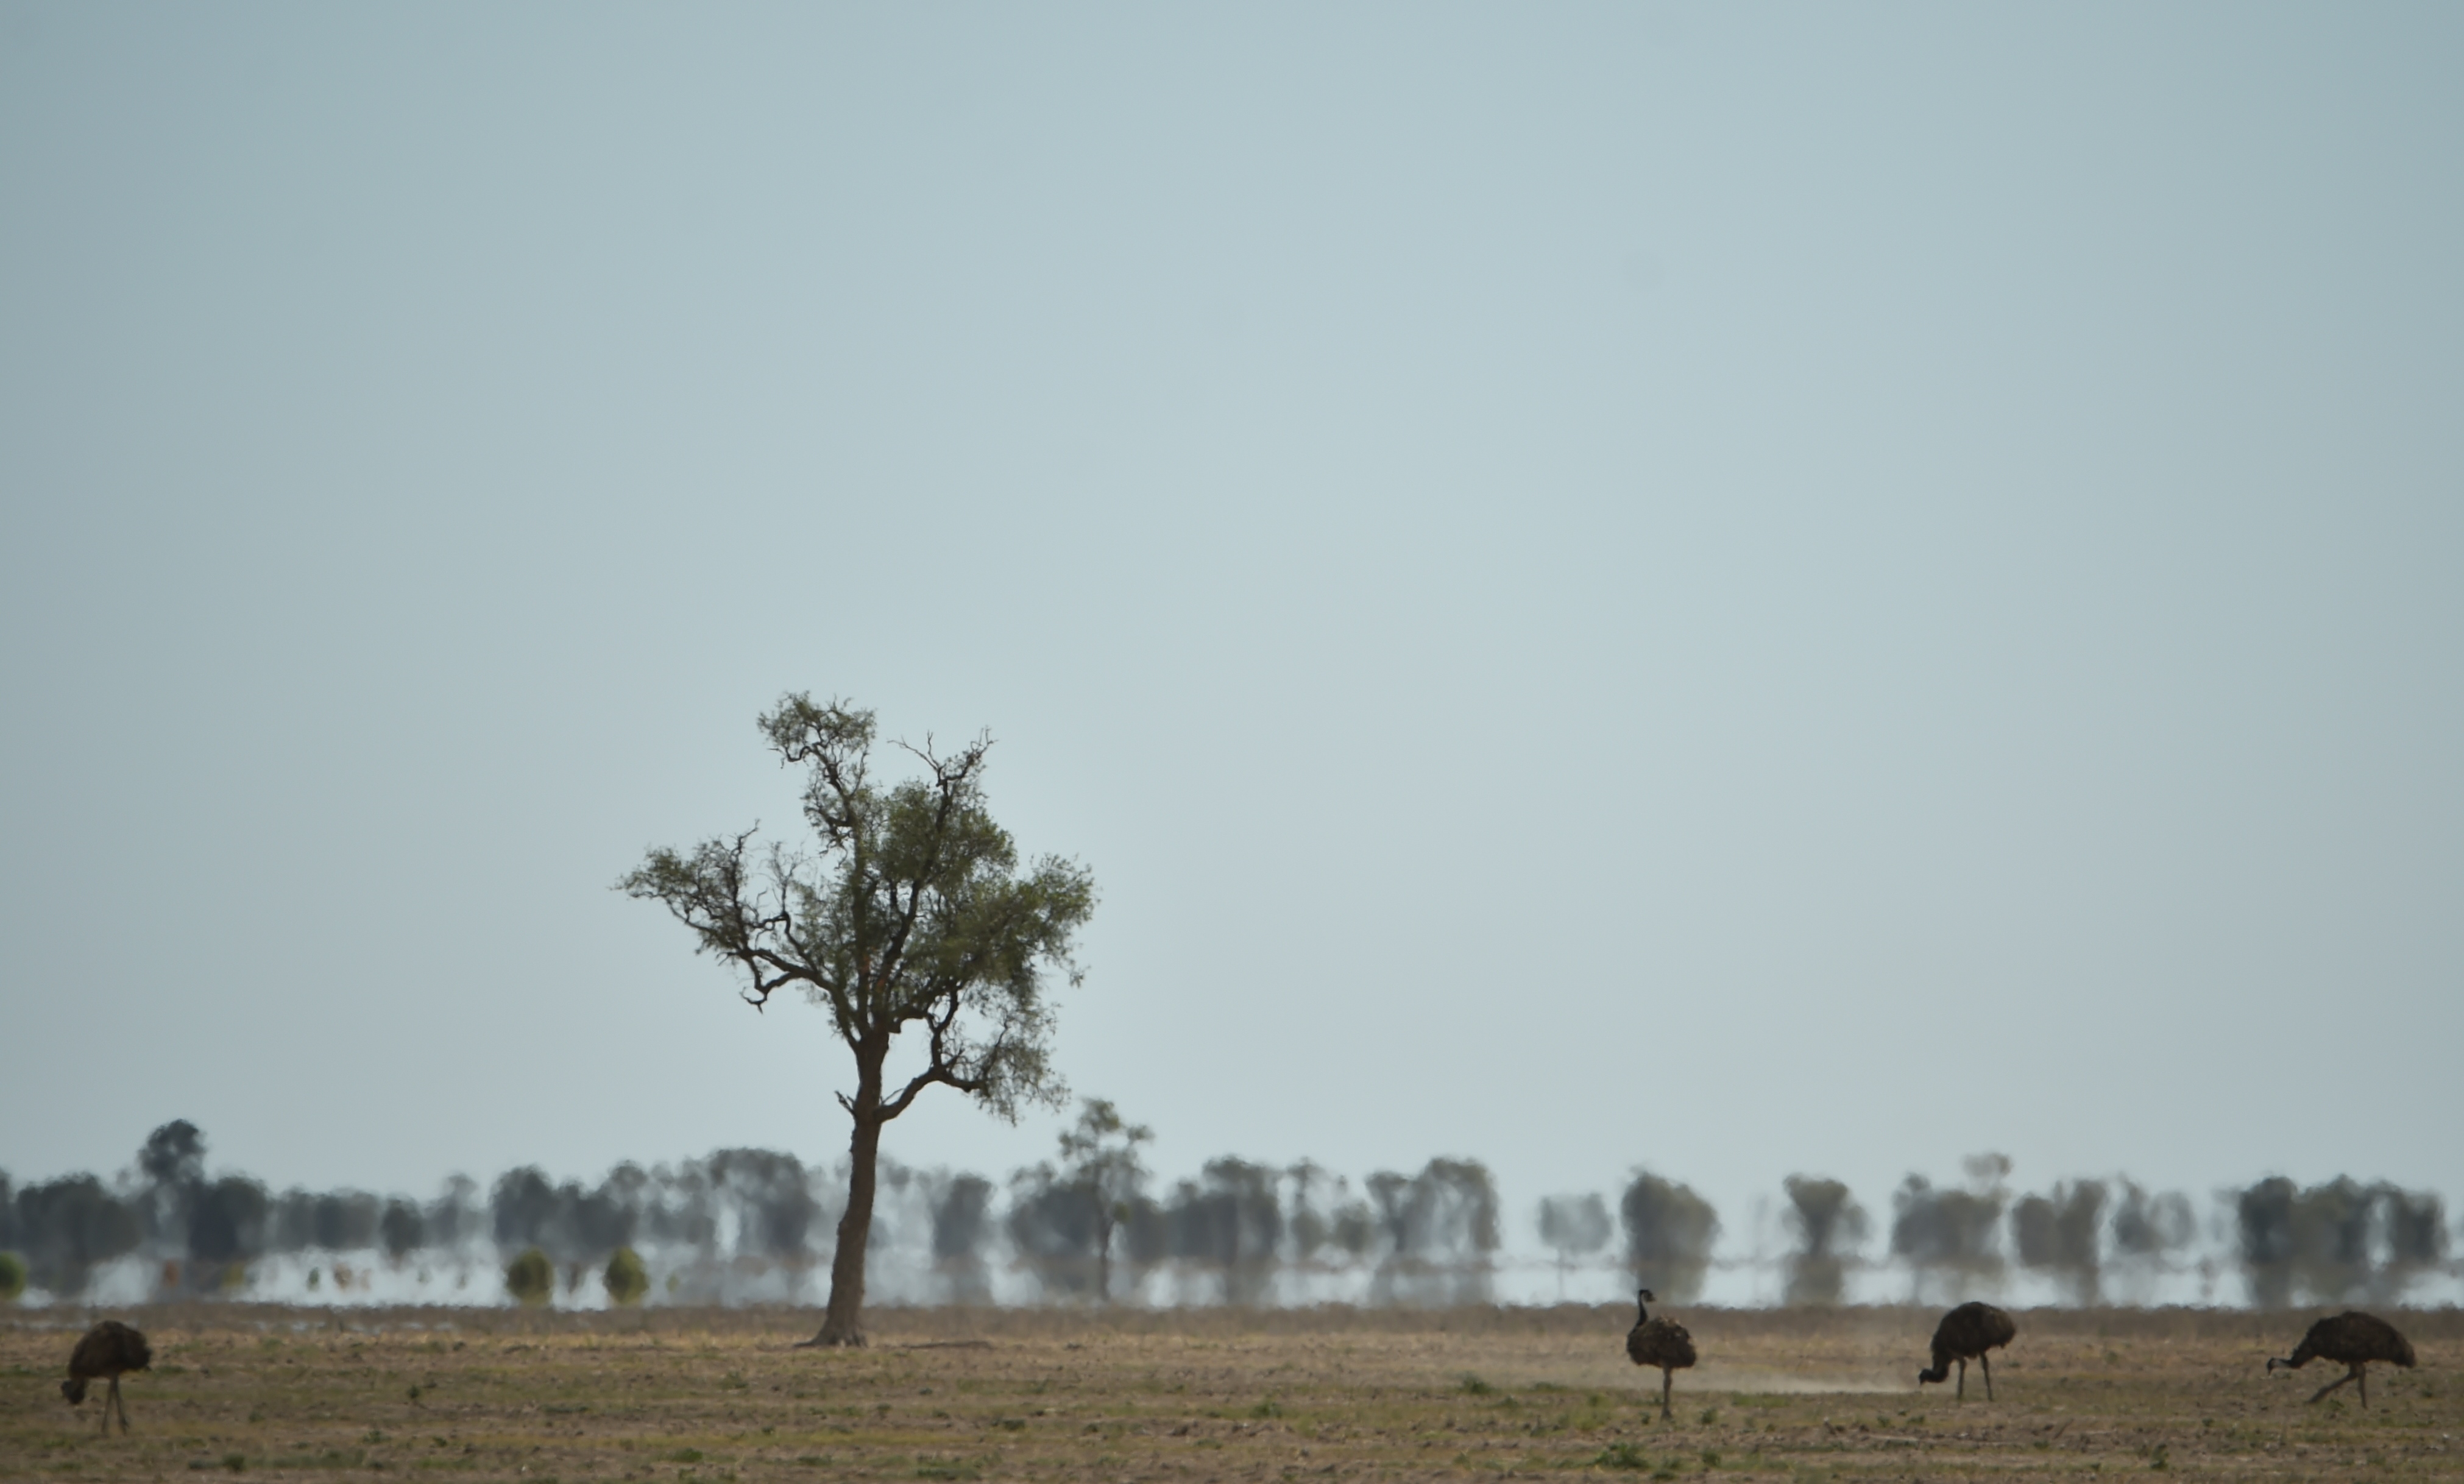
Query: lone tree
{"type": "Point", "coordinates": [914, 913]}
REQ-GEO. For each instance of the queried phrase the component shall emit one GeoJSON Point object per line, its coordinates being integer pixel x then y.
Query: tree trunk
{"type": "Point", "coordinates": [842, 1323]}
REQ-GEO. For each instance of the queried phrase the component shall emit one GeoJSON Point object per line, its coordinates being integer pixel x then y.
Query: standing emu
{"type": "Point", "coordinates": [108, 1351]}
{"type": "Point", "coordinates": [1661, 1342]}
{"type": "Point", "coordinates": [1964, 1334]}
{"type": "Point", "coordinates": [2355, 1339]}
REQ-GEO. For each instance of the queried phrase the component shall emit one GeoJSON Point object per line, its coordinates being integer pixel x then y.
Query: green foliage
{"type": "Point", "coordinates": [1621, 1456]}
{"type": "Point", "coordinates": [915, 910]}
{"type": "Point", "coordinates": [13, 1277]}
{"type": "Point", "coordinates": [531, 1278]}
{"type": "Point", "coordinates": [627, 1279]}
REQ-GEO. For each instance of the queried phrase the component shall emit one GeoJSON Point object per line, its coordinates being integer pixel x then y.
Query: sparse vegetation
{"type": "Point", "coordinates": [1092, 1394]}
{"type": "Point", "coordinates": [627, 1279]}
{"type": "Point", "coordinates": [531, 1278]}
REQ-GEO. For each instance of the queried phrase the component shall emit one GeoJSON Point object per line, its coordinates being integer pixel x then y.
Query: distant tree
{"type": "Point", "coordinates": [171, 1175]}
{"type": "Point", "coordinates": [1576, 1226]}
{"type": "Point", "coordinates": [2331, 1239]}
{"type": "Point", "coordinates": [13, 1277]}
{"type": "Point", "coordinates": [2148, 1228]}
{"type": "Point", "coordinates": [452, 1220]}
{"type": "Point", "coordinates": [1830, 1227]}
{"type": "Point", "coordinates": [68, 1227]}
{"type": "Point", "coordinates": [2415, 1224]}
{"type": "Point", "coordinates": [625, 1279]}
{"type": "Point", "coordinates": [343, 1220]}
{"type": "Point", "coordinates": [1052, 1224]}
{"type": "Point", "coordinates": [2263, 1226]}
{"type": "Point", "coordinates": [1951, 1233]}
{"type": "Point", "coordinates": [401, 1228]}
{"type": "Point", "coordinates": [531, 1278]}
{"type": "Point", "coordinates": [1230, 1220]}
{"type": "Point", "coordinates": [2335, 1241]}
{"type": "Point", "coordinates": [1669, 1231]}
{"type": "Point", "coordinates": [772, 1198]}
{"type": "Point", "coordinates": [1315, 1196]}
{"type": "Point", "coordinates": [2060, 1234]}
{"type": "Point", "coordinates": [961, 1219]}
{"type": "Point", "coordinates": [227, 1225]}
{"type": "Point", "coordinates": [915, 915]}
{"type": "Point", "coordinates": [1099, 1155]}
{"type": "Point", "coordinates": [1442, 1232]}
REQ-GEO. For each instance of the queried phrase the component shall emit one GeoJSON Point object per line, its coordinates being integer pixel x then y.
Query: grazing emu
{"type": "Point", "coordinates": [1964, 1334]}
{"type": "Point", "coordinates": [1661, 1342]}
{"type": "Point", "coordinates": [109, 1350]}
{"type": "Point", "coordinates": [2354, 1339]}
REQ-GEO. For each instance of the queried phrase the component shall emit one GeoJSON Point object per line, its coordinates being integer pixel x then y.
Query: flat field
{"type": "Point", "coordinates": [693, 1395]}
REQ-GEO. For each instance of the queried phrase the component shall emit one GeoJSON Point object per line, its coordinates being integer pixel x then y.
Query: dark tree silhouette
{"type": "Point", "coordinates": [1668, 1234]}
{"type": "Point", "coordinates": [1964, 1334]}
{"type": "Point", "coordinates": [962, 1216]}
{"type": "Point", "coordinates": [1229, 1220]}
{"type": "Point", "coordinates": [1951, 1231]}
{"type": "Point", "coordinates": [1830, 1225]}
{"type": "Point", "coordinates": [1659, 1342]}
{"type": "Point", "coordinates": [1100, 1157]}
{"type": "Point", "coordinates": [68, 1227]}
{"type": "Point", "coordinates": [915, 915]}
{"type": "Point", "coordinates": [2060, 1232]}
{"type": "Point", "coordinates": [1052, 1224]}
{"type": "Point", "coordinates": [2335, 1241]}
{"type": "Point", "coordinates": [1440, 1230]}
{"type": "Point", "coordinates": [108, 1352]}
{"type": "Point", "coordinates": [2353, 1340]}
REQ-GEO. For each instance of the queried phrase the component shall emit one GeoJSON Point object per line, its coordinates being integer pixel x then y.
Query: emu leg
{"type": "Point", "coordinates": [1961, 1395]}
{"type": "Point", "coordinates": [120, 1405]}
{"type": "Point", "coordinates": [2362, 1374]}
{"type": "Point", "coordinates": [2321, 1392]}
{"type": "Point", "coordinates": [1987, 1362]}
{"type": "Point", "coordinates": [1667, 1378]}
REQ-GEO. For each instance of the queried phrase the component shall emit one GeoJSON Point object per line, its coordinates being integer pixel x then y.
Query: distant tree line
{"type": "Point", "coordinates": [1093, 1226]}
{"type": "Point", "coordinates": [2335, 1242]}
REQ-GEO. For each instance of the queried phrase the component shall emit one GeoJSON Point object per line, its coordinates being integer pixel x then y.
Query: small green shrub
{"type": "Point", "coordinates": [627, 1279]}
{"type": "Point", "coordinates": [13, 1277]}
{"type": "Point", "coordinates": [531, 1278]}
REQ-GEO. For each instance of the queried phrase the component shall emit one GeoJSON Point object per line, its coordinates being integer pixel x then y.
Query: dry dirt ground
{"type": "Point", "coordinates": [689, 1396]}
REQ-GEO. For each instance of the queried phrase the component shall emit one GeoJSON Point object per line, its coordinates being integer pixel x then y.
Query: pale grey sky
{"type": "Point", "coordinates": [1747, 589]}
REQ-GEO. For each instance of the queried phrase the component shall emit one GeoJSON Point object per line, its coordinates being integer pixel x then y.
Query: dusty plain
{"type": "Point", "coordinates": [701, 1396]}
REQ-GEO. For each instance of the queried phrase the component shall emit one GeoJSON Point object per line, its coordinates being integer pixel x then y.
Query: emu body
{"type": "Point", "coordinates": [106, 1352]}
{"type": "Point", "coordinates": [1662, 1342]}
{"type": "Point", "coordinates": [1964, 1334]}
{"type": "Point", "coordinates": [2353, 1339]}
